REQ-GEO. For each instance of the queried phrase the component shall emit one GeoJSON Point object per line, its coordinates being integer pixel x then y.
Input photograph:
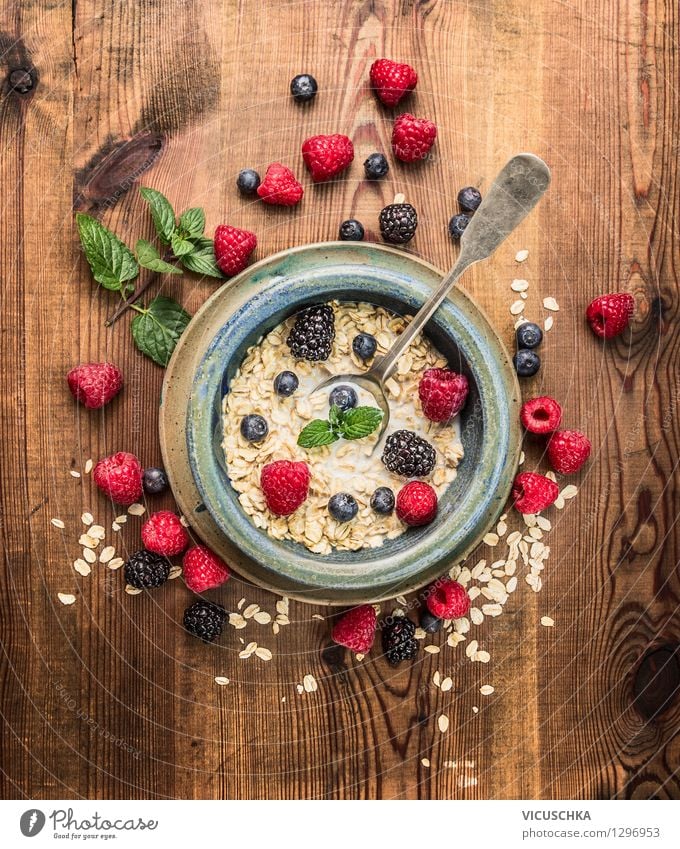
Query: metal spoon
{"type": "Point", "coordinates": [514, 193]}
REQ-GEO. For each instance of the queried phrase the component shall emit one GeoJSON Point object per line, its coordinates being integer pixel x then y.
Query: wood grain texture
{"type": "Point", "coordinates": [108, 698]}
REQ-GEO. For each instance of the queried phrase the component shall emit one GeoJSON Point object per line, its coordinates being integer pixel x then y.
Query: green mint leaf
{"type": "Point", "coordinates": [112, 262]}
{"type": "Point", "coordinates": [334, 416]}
{"type": "Point", "coordinates": [180, 246]}
{"type": "Point", "coordinates": [318, 432]}
{"type": "Point", "coordinates": [360, 422]}
{"type": "Point", "coordinates": [148, 257]}
{"type": "Point", "coordinates": [158, 328]}
{"type": "Point", "coordinates": [161, 212]}
{"type": "Point", "coordinates": [192, 223]}
{"type": "Point", "coordinates": [202, 259]}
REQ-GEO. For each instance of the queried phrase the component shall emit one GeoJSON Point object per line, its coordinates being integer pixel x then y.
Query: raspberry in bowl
{"type": "Point", "coordinates": [217, 477]}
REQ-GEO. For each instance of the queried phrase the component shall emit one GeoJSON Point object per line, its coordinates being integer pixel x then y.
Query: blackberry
{"type": "Point", "coordinates": [457, 225]}
{"type": "Point", "coordinates": [204, 620]}
{"type": "Point", "coordinates": [469, 199]}
{"type": "Point", "coordinates": [303, 88]}
{"type": "Point", "coordinates": [398, 223]}
{"type": "Point", "coordinates": [429, 622]}
{"type": "Point", "coordinates": [313, 333]}
{"type": "Point", "coordinates": [155, 481]}
{"type": "Point", "coordinates": [408, 455]}
{"type": "Point", "coordinates": [398, 641]}
{"type": "Point", "coordinates": [529, 335]}
{"type": "Point", "coordinates": [351, 230]}
{"type": "Point", "coordinates": [145, 570]}
{"type": "Point", "coordinates": [248, 181]}
{"type": "Point", "coordinates": [526, 362]}
{"type": "Point", "coordinates": [376, 166]}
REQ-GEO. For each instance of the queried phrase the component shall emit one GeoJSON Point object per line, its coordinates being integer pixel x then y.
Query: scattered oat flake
{"type": "Point", "coordinates": [263, 653]}
{"type": "Point", "coordinates": [486, 689]}
{"type": "Point", "coordinates": [519, 285]}
{"type": "Point", "coordinates": [115, 526]}
{"type": "Point", "coordinates": [66, 598]}
{"type": "Point", "coordinates": [132, 590]}
{"type": "Point", "coordinates": [491, 539]}
{"type": "Point", "coordinates": [475, 709]}
{"type": "Point", "coordinates": [81, 567]}
{"type": "Point", "coordinates": [516, 307]}
{"type": "Point", "coordinates": [482, 657]}
{"type": "Point", "coordinates": [89, 464]}
{"type": "Point", "coordinates": [96, 532]}
{"type": "Point", "coordinates": [547, 621]}
{"type": "Point", "coordinates": [87, 519]}
{"type": "Point", "coordinates": [121, 520]}
{"type": "Point", "coordinates": [251, 610]}
{"type": "Point", "coordinates": [58, 524]}
{"type": "Point", "coordinates": [184, 521]}
{"type": "Point", "coordinates": [136, 509]}
{"type": "Point", "coordinates": [318, 616]}
{"type": "Point", "coordinates": [175, 572]}
{"type": "Point", "coordinates": [74, 474]}
{"type": "Point", "coordinates": [436, 679]}
{"type": "Point", "coordinates": [569, 491]}
{"type": "Point", "coordinates": [262, 617]}
{"type": "Point", "coordinates": [559, 502]}
{"type": "Point", "coordinates": [443, 723]}
{"type": "Point", "coordinates": [309, 684]}
{"type": "Point", "coordinates": [520, 256]}
{"type": "Point", "coordinates": [548, 323]}
{"type": "Point", "coordinates": [446, 685]}
{"type": "Point", "coordinates": [88, 541]}
{"type": "Point", "coordinates": [359, 657]}
{"type": "Point", "coordinates": [300, 688]}
{"type": "Point", "coordinates": [89, 555]}
{"type": "Point", "coordinates": [425, 762]}
{"type": "Point", "coordinates": [237, 621]}
{"type": "Point", "coordinates": [551, 304]}
{"type": "Point", "coordinates": [221, 680]}
{"type": "Point", "coordinates": [107, 554]}
{"type": "Point", "coordinates": [116, 563]}
{"type": "Point", "coordinates": [240, 604]}
{"type": "Point", "coordinates": [521, 458]}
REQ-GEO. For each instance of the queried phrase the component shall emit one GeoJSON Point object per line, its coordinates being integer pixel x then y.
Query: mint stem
{"type": "Point", "coordinates": [136, 295]}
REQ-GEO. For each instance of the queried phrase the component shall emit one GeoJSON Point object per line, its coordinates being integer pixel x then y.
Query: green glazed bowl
{"type": "Point", "coordinates": [245, 309]}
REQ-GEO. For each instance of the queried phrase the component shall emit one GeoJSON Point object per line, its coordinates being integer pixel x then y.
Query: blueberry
{"type": "Point", "coordinates": [382, 500]}
{"type": "Point", "coordinates": [527, 362]}
{"type": "Point", "coordinates": [351, 231]}
{"type": "Point", "coordinates": [469, 199]}
{"type": "Point", "coordinates": [285, 383]}
{"type": "Point", "coordinates": [529, 335]}
{"type": "Point", "coordinates": [303, 88]}
{"type": "Point", "coordinates": [248, 181]}
{"type": "Point", "coordinates": [457, 225]}
{"type": "Point", "coordinates": [430, 623]}
{"type": "Point", "coordinates": [254, 428]}
{"type": "Point", "coordinates": [344, 397]}
{"type": "Point", "coordinates": [364, 345]}
{"type": "Point", "coordinates": [155, 481]}
{"type": "Point", "coordinates": [376, 166]}
{"type": "Point", "coordinates": [342, 507]}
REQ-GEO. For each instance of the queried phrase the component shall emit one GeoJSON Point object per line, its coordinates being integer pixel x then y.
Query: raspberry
{"type": "Point", "coordinates": [442, 393]}
{"type": "Point", "coordinates": [412, 137]}
{"type": "Point", "coordinates": [204, 620]}
{"type": "Point", "coordinates": [120, 477]}
{"type": "Point", "coordinates": [568, 450]}
{"type": "Point", "coordinates": [165, 534]}
{"type": "Point", "coordinates": [203, 570]}
{"type": "Point", "coordinates": [416, 504]}
{"type": "Point", "coordinates": [356, 629]}
{"type": "Point", "coordinates": [541, 415]}
{"type": "Point", "coordinates": [233, 247]}
{"type": "Point", "coordinates": [532, 493]}
{"type": "Point", "coordinates": [145, 570]}
{"type": "Point", "coordinates": [95, 384]}
{"type": "Point", "coordinates": [447, 599]}
{"type": "Point", "coordinates": [280, 187]}
{"type": "Point", "coordinates": [326, 156]}
{"type": "Point", "coordinates": [609, 315]}
{"type": "Point", "coordinates": [285, 485]}
{"type": "Point", "coordinates": [392, 81]}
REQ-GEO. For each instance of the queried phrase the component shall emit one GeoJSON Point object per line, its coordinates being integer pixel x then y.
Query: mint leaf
{"type": "Point", "coordinates": [157, 329]}
{"type": "Point", "coordinates": [359, 422]}
{"type": "Point", "coordinates": [111, 261]}
{"type": "Point", "coordinates": [317, 433]}
{"type": "Point", "coordinates": [148, 257]}
{"type": "Point", "coordinates": [202, 259]}
{"type": "Point", "coordinates": [334, 416]}
{"type": "Point", "coordinates": [192, 223]}
{"type": "Point", "coordinates": [180, 246]}
{"type": "Point", "coordinates": [161, 212]}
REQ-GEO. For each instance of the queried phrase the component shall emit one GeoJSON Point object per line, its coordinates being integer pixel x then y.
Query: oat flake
{"type": "Point", "coordinates": [547, 621]}
{"type": "Point", "coordinates": [89, 464]}
{"type": "Point", "coordinates": [522, 255]}
{"type": "Point", "coordinates": [58, 524]}
{"type": "Point", "coordinates": [486, 689]}
{"type": "Point", "coordinates": [309, 684]}
{"type": "Point", "coordinates": [551, 304]}
{"type": "Point", "coordinates": [87, 519]}
{"type": "Point", "coordinates": [66, 598]}
{"type": "Point", "coordinates": [221, 680]}
{"type": "Point", "coordinates": [443, 723]}
{"type": "Point", "coordinates": [81, 567]}
{"type": "Point", "coordinates": [136, 510]}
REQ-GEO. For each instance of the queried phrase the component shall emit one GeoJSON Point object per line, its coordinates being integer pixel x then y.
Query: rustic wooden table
{"type": "Point", "coordinates": [108, 698]}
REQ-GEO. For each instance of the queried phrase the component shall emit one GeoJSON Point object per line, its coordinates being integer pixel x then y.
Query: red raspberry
{"type": "Point", "coordinates": [95, 384]}
{"type": "Point", "coordinates": [541, 415]}
{"type": "Point", "coordinates": [392, 81]}
{"type": "Point", "coordinates": [203, 569]}
{"type": "Point", "coordinates": [163, 533]}
{"type": "Point", "coordinates": [326, 156]}
{"type": "Point", "coordinates": [356, 629]}
{"type": "Point", "coordinates": [442, 393]}
{"type": "Point", "coordinates": [285, 485]}
{"type": "Point", "coordinates": [532, 493]}
{"type": "Point", "coordinates": [609, 315]}
{"type": "Point", "coordinates": [412, 137]}
{"type": "Point", "coordinates": [447, 599]}
{"type": "Point", "coordinates": [120, 477]}
{"type": "Point", "coordinates": [568, 450]}
{"type": "Point", "coordinates": [280, 187]}
{"type": "Point", "coordinates": [233, 248]}
{"type": "Point", "coordinates": [416, 504]}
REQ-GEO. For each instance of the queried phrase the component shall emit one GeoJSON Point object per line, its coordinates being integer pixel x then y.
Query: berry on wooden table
{"type": "Point", "coordinates": [356, 629]}
{"type": "Point", "coordinates": [398, 640]}
{"type": "Point", "coordinates": [376, 166]}
{"type": "Point", "coordinates": [609, 315]}
{"type": "Point", "coordinates": [541, 415]}
{"type": "Point", "coordinates": [285, 485]}
{"type": "Point", "coordinates": [155, 481]}
{"type": "Point", "coordinates": [398, 223]}
{"type": "Point", "coordinates": [146, 570]}
{"type": "Point", "coordinates": [447, 599]}
{"type": "Point", "coordinates": [457, 225]}
{"type": "Point", "coordinates": [568, 450]}
{"type": "Point", "coordinates": [326, 156]}
{"type": "Point", "coordinates": [412, 137]}
{"type": "Point", "coordinates": [203, 569]}
{"type": "Point", "coordinates": [95, 384]}
{"type": "Point", "coordinates": [526, 362]}
{"type": "Point", "coordinates": [247, 181]}
{"type": "Point", "coordinates": [205, 620]}
{"type": "Point", "coordinates": [392, 81]}
{"type": "Point", "coordinates": [469, 199]}
{"type": "Point", "coordinates": [430, 623]}
{"type": "Point", "coordinates": [416, 504]}
{"type": "Point", "coordinates": [233, 247]}
{"type": "Point", "coordinates": [442, 393]}
{"type": "Point", "coordinates": [532, 493]}
{"type": "Point", "coordinates": [164, 533]}
{"type": "Point", "coordinates": [120, 477]}
{"type": "Point", "coordinates": [351, 230]}
{"type": "Point", "coordinates": [303, 87]}
{"type": "Point", "coordinates": [280, 187]}
{"type": "Point", "coordinates": [528, 335]}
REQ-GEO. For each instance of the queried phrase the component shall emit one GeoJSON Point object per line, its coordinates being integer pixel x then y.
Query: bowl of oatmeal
{"type": "Point", "coordinates": [322, 551]}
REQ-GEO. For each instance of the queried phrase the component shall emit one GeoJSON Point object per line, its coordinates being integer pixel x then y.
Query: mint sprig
{"type": "Point", "coordinates": [157, 328]}
{"type": "Point", "coordinates": [113, 264]}
{"type": "Point", "coordinates": [355, 423]}
{"type": "Point", "coordinates": [148, 257]}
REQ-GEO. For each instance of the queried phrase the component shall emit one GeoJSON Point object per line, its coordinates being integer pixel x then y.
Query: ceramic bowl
{"type": "Point", "coordinates": [236, 317]}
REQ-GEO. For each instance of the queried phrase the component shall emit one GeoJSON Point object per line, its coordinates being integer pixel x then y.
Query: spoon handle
{"type": "Point", "coordinates": [514, 193]}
